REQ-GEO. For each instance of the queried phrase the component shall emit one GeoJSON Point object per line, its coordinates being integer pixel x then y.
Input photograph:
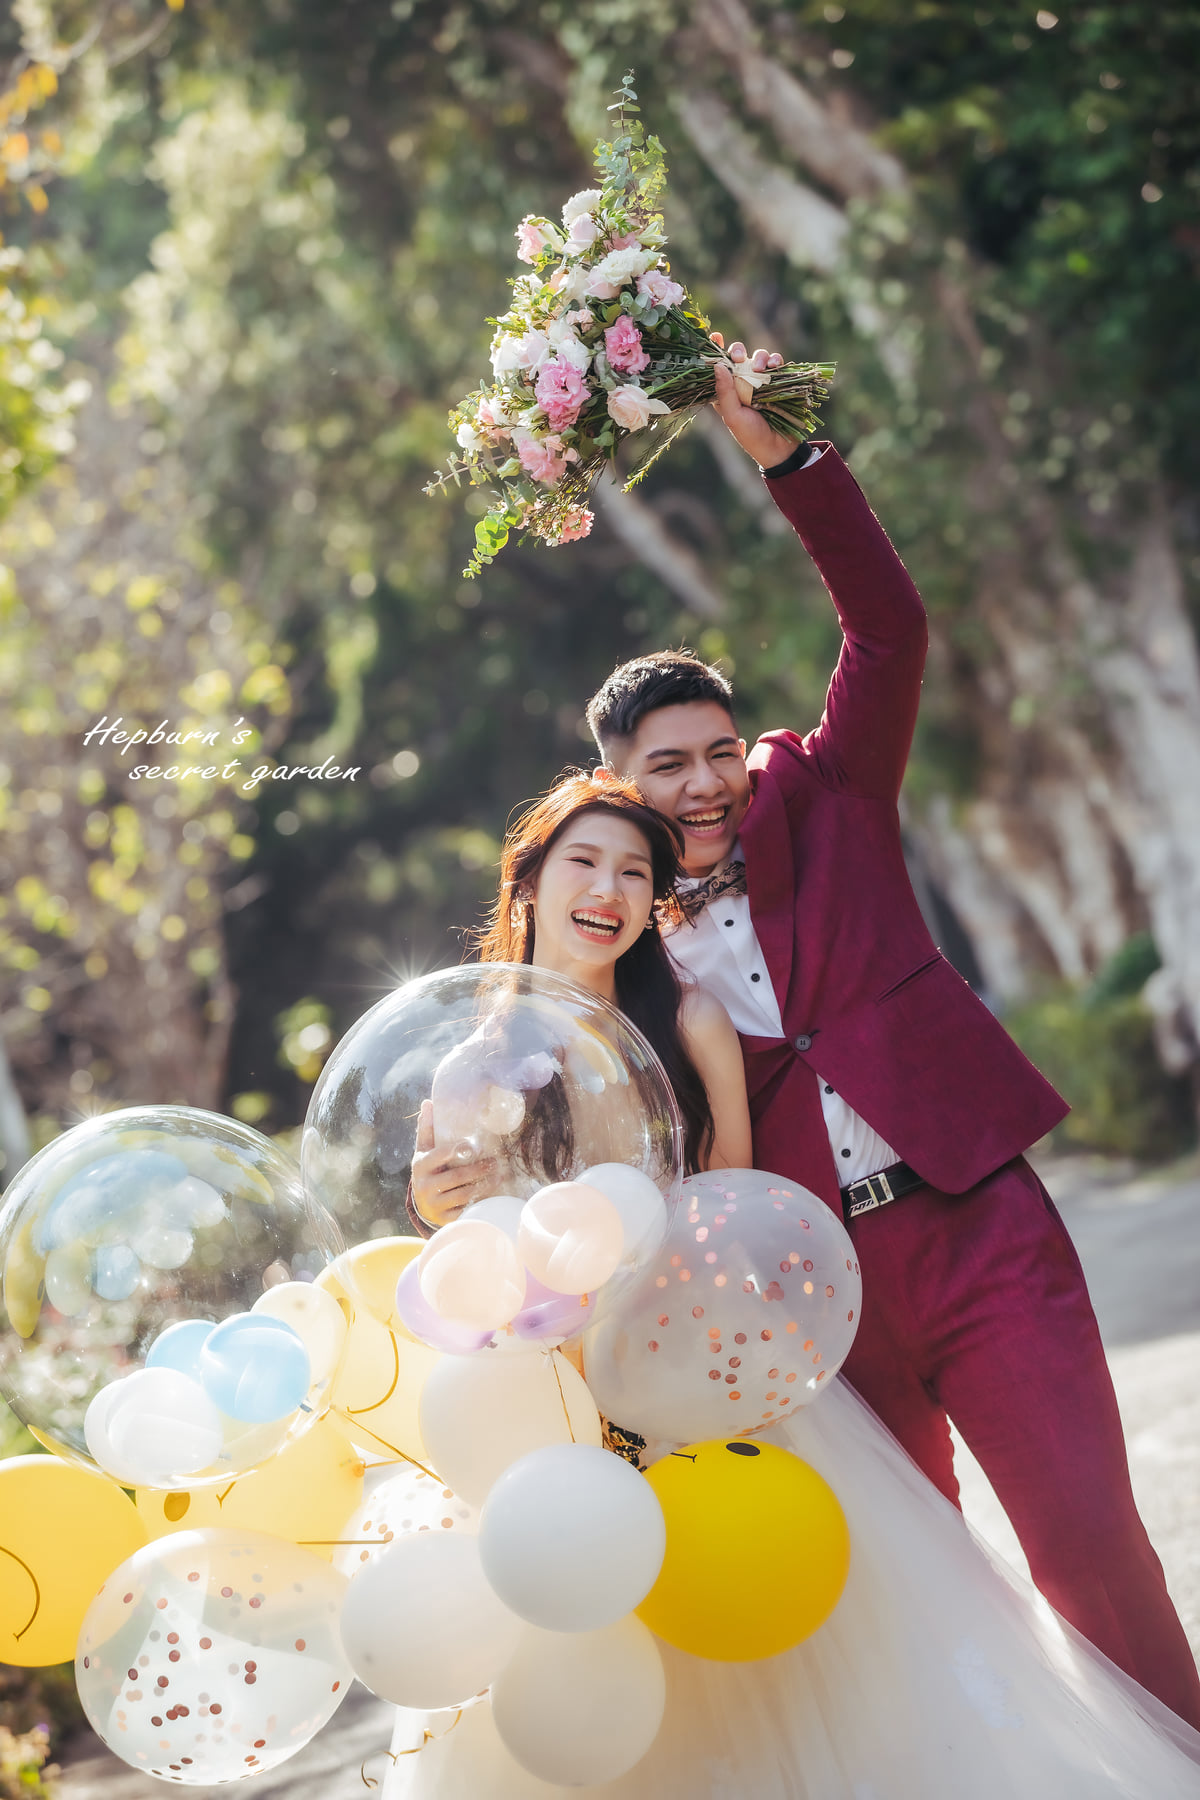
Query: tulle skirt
{"type": "Point", "coordinates": [941, 1675]}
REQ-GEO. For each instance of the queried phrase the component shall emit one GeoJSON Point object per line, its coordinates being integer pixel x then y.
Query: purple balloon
{"type": "Point", "coordinates": [548, 1315]}
{"type": "Point", "coordinates": [428, 1325]}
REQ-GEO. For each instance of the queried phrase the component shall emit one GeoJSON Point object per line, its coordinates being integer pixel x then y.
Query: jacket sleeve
{"type": "Point", "coordinates": [862, 743]}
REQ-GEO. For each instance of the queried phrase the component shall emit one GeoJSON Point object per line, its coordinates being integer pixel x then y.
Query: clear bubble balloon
{"type": "Point", "coordinates": [747, 1311]}
{"type": "Point", "coordinates": [133, 1250]}
{"type": "Point", "coordinates": [528, 1073]}
{"type": "Point", "coordinates": [411, 1500]}
{"type": "Point", "coordinates": [212, 1655]}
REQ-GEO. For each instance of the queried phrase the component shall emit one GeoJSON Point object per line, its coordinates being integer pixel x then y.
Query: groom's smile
{"type": "Point", "coordinates": [690, 763]}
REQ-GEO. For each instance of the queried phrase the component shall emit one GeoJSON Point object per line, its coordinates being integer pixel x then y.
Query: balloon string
{"type": "Point", "coordinates": [400, 1455]}
{"type": "Point", "coordinates": [393, 1756]}
{"type": "Point", "coordinates": [376, 1404]}
{"type": "Point", "coordinates": [37, 1593]}
{"type": "Point", "coordinates": [562, 1397]}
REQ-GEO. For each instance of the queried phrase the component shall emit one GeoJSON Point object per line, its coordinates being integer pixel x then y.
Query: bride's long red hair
{"type": "Point", "coordinates": [647, 987]}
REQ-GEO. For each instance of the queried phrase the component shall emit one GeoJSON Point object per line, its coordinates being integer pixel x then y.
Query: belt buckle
{"type": "Point", "coordinates": [871, 1200]}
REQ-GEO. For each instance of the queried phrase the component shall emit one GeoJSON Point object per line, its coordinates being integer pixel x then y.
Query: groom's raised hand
{"type": "Point", "coordinates": [748, 426]}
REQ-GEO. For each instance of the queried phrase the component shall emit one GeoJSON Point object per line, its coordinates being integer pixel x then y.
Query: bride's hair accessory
{"type": "Point", "coordinates": [600, 344]}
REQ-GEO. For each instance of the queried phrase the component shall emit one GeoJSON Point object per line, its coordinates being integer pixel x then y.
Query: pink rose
{"type": "Point", "coordinates": [530, 239]}
{"type": "Point", "coordinates": [583, 233]}
{"type": "Point", "coordinates": [561, 392]}
{"type": "Point", "coordinates": [575, 524]}
{"type": "Point", "coordinates": [623, 343]}
{"type": "Point", "coordinates": [543, 458]}
{"type": "Point", "coordinates": [619, 241]}
{"type": "Point", "coordinates": [659, 288]}
{"type": "Point", "coordinates": [632, 408]}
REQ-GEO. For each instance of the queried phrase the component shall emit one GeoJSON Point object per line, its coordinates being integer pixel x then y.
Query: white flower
{"type": "Point", "coordinates": [567, 346]}
{"type": "Point", "coordinates": [571, 284]}
{"type": "Point", "coordinates": [618, 267]}
{"type": "Point", "coordinates": [578, 204]}
{"type": "Point", "coordinates": [510, 353]}
{"type": "Point", "coordinates": [468, 437]}
{"type": "Point", "coordinates": [632, 407]}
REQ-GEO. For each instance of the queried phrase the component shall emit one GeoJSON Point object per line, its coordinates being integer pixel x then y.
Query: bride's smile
{"type": "Point", "coordinates": [592, 898]}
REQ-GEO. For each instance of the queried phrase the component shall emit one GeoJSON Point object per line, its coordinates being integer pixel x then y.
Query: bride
{"type": "Point", "coordinates": [941, 1674]}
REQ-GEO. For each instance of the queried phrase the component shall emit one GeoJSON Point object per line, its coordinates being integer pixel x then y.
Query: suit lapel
{"type": "Point", "coordinates": [770, 879]}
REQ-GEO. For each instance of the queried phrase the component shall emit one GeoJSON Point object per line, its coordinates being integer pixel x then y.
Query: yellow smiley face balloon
{"type": "Point", "coordinates": [63, 1531]}
{"type": "Point", "coordinates": [757, 1550]}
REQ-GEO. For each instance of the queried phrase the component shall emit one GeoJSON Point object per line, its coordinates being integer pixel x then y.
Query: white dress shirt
{"type": "Point", "coordinates": [720, 951]}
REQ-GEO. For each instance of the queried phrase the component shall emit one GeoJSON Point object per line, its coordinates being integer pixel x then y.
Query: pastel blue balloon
{"type": "Point", "coordinates": [117, 1272]}
{"type": "Point", "coordinates": [100, 1201]}
{"type": "Point", "coordinates": [255, 1368]}
{"type": "Point", "coordinates": [179, 1347]}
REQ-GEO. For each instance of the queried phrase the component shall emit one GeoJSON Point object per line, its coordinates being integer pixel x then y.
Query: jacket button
{"type": "Point", "coordinates": [803, 1042]}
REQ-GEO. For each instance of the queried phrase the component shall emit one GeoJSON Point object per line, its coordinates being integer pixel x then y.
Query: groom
{"type": "Point", "coordinates": [881, 1082]}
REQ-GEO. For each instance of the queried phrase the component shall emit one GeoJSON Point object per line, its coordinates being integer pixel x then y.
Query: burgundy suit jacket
{"type": "Point", "coordinates": [866, 997]}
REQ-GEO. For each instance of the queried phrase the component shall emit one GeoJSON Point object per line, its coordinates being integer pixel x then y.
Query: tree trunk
{"type": "Point", "coordinates": [1084, 823]}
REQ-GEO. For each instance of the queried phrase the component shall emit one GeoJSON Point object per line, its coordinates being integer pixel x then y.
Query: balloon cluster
{"type": "Point", "coordinates": [377, 1461]}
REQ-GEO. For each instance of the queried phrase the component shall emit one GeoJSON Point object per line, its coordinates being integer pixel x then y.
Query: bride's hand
{"type": "Point", "coordinates": [442, 1184]}
{"type": "Point", "coordinates": [748, 426]}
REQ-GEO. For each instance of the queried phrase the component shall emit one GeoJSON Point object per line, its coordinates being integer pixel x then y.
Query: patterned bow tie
{"type": "Point", "coordinates": [729, 880]}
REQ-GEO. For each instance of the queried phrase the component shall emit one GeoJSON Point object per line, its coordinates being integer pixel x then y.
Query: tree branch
{"type": "Point", "coordinates": [841, 156]}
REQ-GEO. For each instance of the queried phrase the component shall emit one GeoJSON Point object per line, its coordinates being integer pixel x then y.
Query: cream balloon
{"type": "Point", "coordinates": [422, 1626]}
{"type": "Point", "coordinates": [316, 1318]}
{"type": "Point", "coordinates": [470, 1274]}
{"type": "Point", "coordinates": [308, 1493]}
{"type": "Point", "coordinates": [480, 1413]}
{"type": "Point", "coordinates": [641, 1206]}
{"type": "Point", "coordinates": [571, 1237]}
{"type": "Point", "coordinates": [581, 1708]}
{"type": "Point", "coordinates": [375, 1395]}
{"type": "Point", "coordinates": [369, 1273]}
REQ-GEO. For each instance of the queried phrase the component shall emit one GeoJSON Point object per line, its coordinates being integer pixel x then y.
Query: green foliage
{"type": "Point", "coordinates": [24, 1774]}
{"type": "Point", "coordinates": [1099, 1053]}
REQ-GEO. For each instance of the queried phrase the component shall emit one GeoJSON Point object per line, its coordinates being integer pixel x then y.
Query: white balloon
{"type": "Point", "coordinates": [153, 1428]}
{"type": "Point", "coordinates": [315, 1317]}
{"type": "Point", "coordinates": [641, 1206]}
{"type": "Point", "coordinates": [572, 1538]}
{"type": "Point", "coordinates": [480, 1413]}
{"type": "Point", "coordinates": [422, 1626]}
{"type": "Point", "coordinates": [470, 1273]}
{"type": "Point", "coordinates": [503, 1210]}
{"type": "Point", "coordinates": [581, 1708]}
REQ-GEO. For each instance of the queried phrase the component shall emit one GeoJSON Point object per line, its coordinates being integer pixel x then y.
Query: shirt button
{"type": "Point", "coordinates": [729, 921]}
{"type": "Point", "coordinates": [756, 978]}
{"type": "Point", "coordinates": [828, 1089]}
{"type": "Point", "coordinates": [803, 1042]}
{"type": "Point", "coordinates": [845, 1153]}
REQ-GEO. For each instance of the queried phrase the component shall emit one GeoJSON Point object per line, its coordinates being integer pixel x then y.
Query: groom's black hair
{"type": "Point", "coordinates": [664, 678]}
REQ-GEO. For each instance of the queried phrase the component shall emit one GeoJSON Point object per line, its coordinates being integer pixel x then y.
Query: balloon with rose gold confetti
{"type": "Point", "coordinates": [745, 1314]}
{"type": "Point", "coordinates": [212, 1655]}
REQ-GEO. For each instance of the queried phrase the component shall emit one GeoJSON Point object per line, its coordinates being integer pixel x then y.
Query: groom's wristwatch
{"type": "Point", "coordinates": [802, 454]}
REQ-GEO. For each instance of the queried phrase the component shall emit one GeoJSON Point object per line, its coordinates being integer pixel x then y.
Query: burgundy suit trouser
{"type": "Point", "coordinates": [975, 1306]}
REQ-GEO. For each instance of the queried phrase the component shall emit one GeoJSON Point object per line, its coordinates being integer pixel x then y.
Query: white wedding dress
{"type": "Point", "coordinates": [941, 1675]}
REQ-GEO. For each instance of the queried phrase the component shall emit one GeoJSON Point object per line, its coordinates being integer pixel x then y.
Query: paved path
{"type": "Point", "coordinates": [1139, 1240]}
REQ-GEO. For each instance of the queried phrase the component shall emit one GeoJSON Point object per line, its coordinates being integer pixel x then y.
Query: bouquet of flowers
{"type": "Point", "coordinates": [600, 344]}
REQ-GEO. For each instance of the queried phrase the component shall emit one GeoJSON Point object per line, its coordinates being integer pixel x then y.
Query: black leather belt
{"type": "Point", "coordinates": [865, 1195]}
